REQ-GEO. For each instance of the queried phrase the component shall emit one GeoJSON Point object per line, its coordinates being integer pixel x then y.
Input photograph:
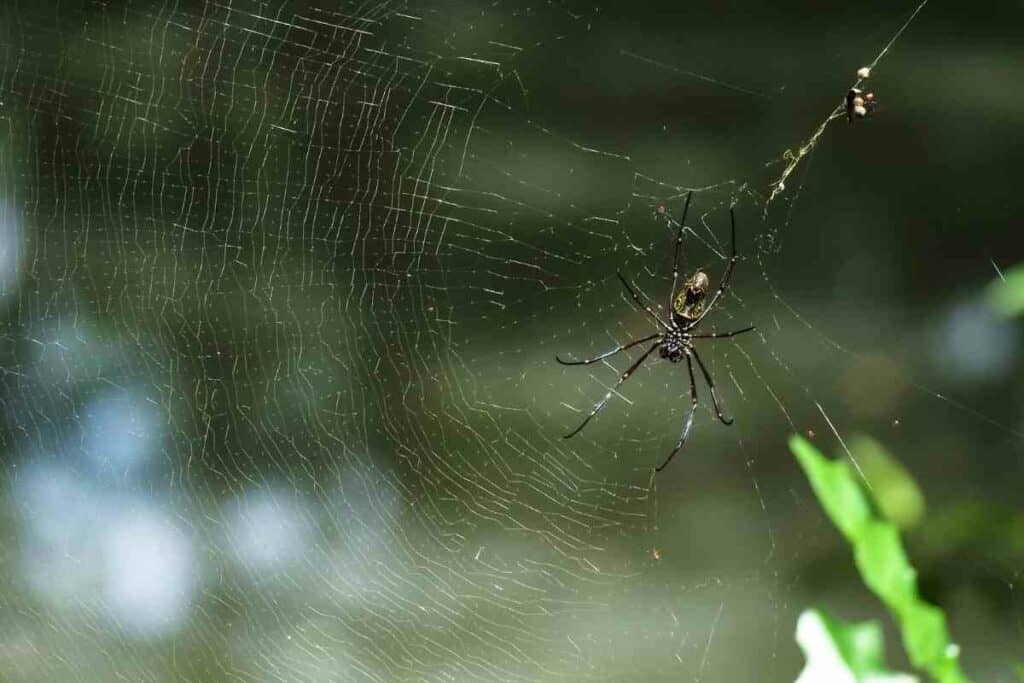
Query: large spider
{"type": "Point", "coordinates": [674, 339]}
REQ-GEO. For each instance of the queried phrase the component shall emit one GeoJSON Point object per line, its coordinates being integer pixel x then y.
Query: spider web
{"type": "Point", "coordinates": [284, 283]}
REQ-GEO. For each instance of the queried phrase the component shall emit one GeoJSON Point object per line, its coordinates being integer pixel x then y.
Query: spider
{"type": "Point", "coordinates": [674, 339]}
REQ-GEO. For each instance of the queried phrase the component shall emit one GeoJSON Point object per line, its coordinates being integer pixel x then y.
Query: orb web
{"type": "Point", "coordinates": [286, 285]}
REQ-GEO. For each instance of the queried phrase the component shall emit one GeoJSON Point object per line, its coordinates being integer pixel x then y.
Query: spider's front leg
{"type": "Point", "coordinates": [679, 245]}
{"type": "Point", "coordinates": [636, 299]}
{"type": "Point", "coordinates": [726, 277]}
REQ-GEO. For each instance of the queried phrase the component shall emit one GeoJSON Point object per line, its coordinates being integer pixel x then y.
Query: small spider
{"type": "Point", "coordinates": [859, 103]}
{"type": "Point", "coordinates": [674, 339]}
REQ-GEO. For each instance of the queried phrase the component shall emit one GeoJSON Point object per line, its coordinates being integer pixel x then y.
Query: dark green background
{"type": "Point", "coordinates": [334, 265]}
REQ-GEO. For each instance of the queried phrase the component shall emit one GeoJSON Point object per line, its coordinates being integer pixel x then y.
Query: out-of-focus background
{"type": "Point", "coordinates": [283, 283]}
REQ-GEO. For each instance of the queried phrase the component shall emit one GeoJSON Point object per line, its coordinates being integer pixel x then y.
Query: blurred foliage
{"type": "Point", "coordinates": [998, 529]}
{"type": "Point", "coordinates": [881, 561]}
{"type": "Point", "coordinates": [838, 651]}
{"type": "Point", "coordinates": [893, 490]}
{"type": "Point", "coordinates": [1006, 294]}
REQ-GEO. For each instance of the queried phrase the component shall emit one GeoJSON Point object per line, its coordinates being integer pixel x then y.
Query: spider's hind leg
{"type": "Point", "coordinates": [711, 385]}
{"type": "Point", "coordinates": [626, 375]}
{"type": "Point", "coordinates": [606, 354]}
{"type": "Point", "coordinates": [689, 418]}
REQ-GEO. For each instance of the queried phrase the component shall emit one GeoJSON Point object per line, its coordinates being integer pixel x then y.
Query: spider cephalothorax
{"type": "Point", "coordinates": [674, 339]}
{"type": "Point", "coordinates": [673, 346]}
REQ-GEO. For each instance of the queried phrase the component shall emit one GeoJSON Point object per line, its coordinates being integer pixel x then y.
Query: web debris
{"type": "Point", "coordinates": [793, 159]}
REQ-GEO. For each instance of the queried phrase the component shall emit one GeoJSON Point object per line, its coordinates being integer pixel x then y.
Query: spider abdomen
{"type": "Point", "coordinates": [688, 303]}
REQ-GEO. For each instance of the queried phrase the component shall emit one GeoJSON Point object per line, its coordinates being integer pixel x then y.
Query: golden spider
{"type": "Point", "coordinates": [674, 339]}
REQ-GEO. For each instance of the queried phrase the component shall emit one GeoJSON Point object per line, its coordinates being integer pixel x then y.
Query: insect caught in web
{"type": "Point", "coordinates": [859, 103]}
{"type": "Point", "coordinates": [674, 339]}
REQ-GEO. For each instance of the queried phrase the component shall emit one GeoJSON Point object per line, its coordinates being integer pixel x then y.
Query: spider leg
{"type": "Point", "coordinates": [711, 385]}
{"type": "Point", "coordinates": [725, 278]}
{"type": "Point", "coordinates": [641, 304]}
{"type": "Point", "coordinates": [679, 244]}
{"type": "Point", "coordinates": [689, 418]}
{"type": "Point", "coordinates": [626, 375]}
{"type": "Point", "coordinates": [721, 335]}
{"type": "Point", "coordinates": [621, 347]}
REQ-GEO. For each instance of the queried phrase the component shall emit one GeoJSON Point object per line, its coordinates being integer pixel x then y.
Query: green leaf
{"type": "Point", "coordinates": [838, 651]}
{"type": "Point", "coordinates": [924, 633]}
{"type": "Point", "coordinates": [838, 493]}
{"type": "Point", "coordinates": [884, 565]}
{"type": "Point", "coordinates": [882, 562]}
{"type": "Point", "coordinates": [893, 490]}
{"type": "Point", "coordinates": [1006, 294]}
